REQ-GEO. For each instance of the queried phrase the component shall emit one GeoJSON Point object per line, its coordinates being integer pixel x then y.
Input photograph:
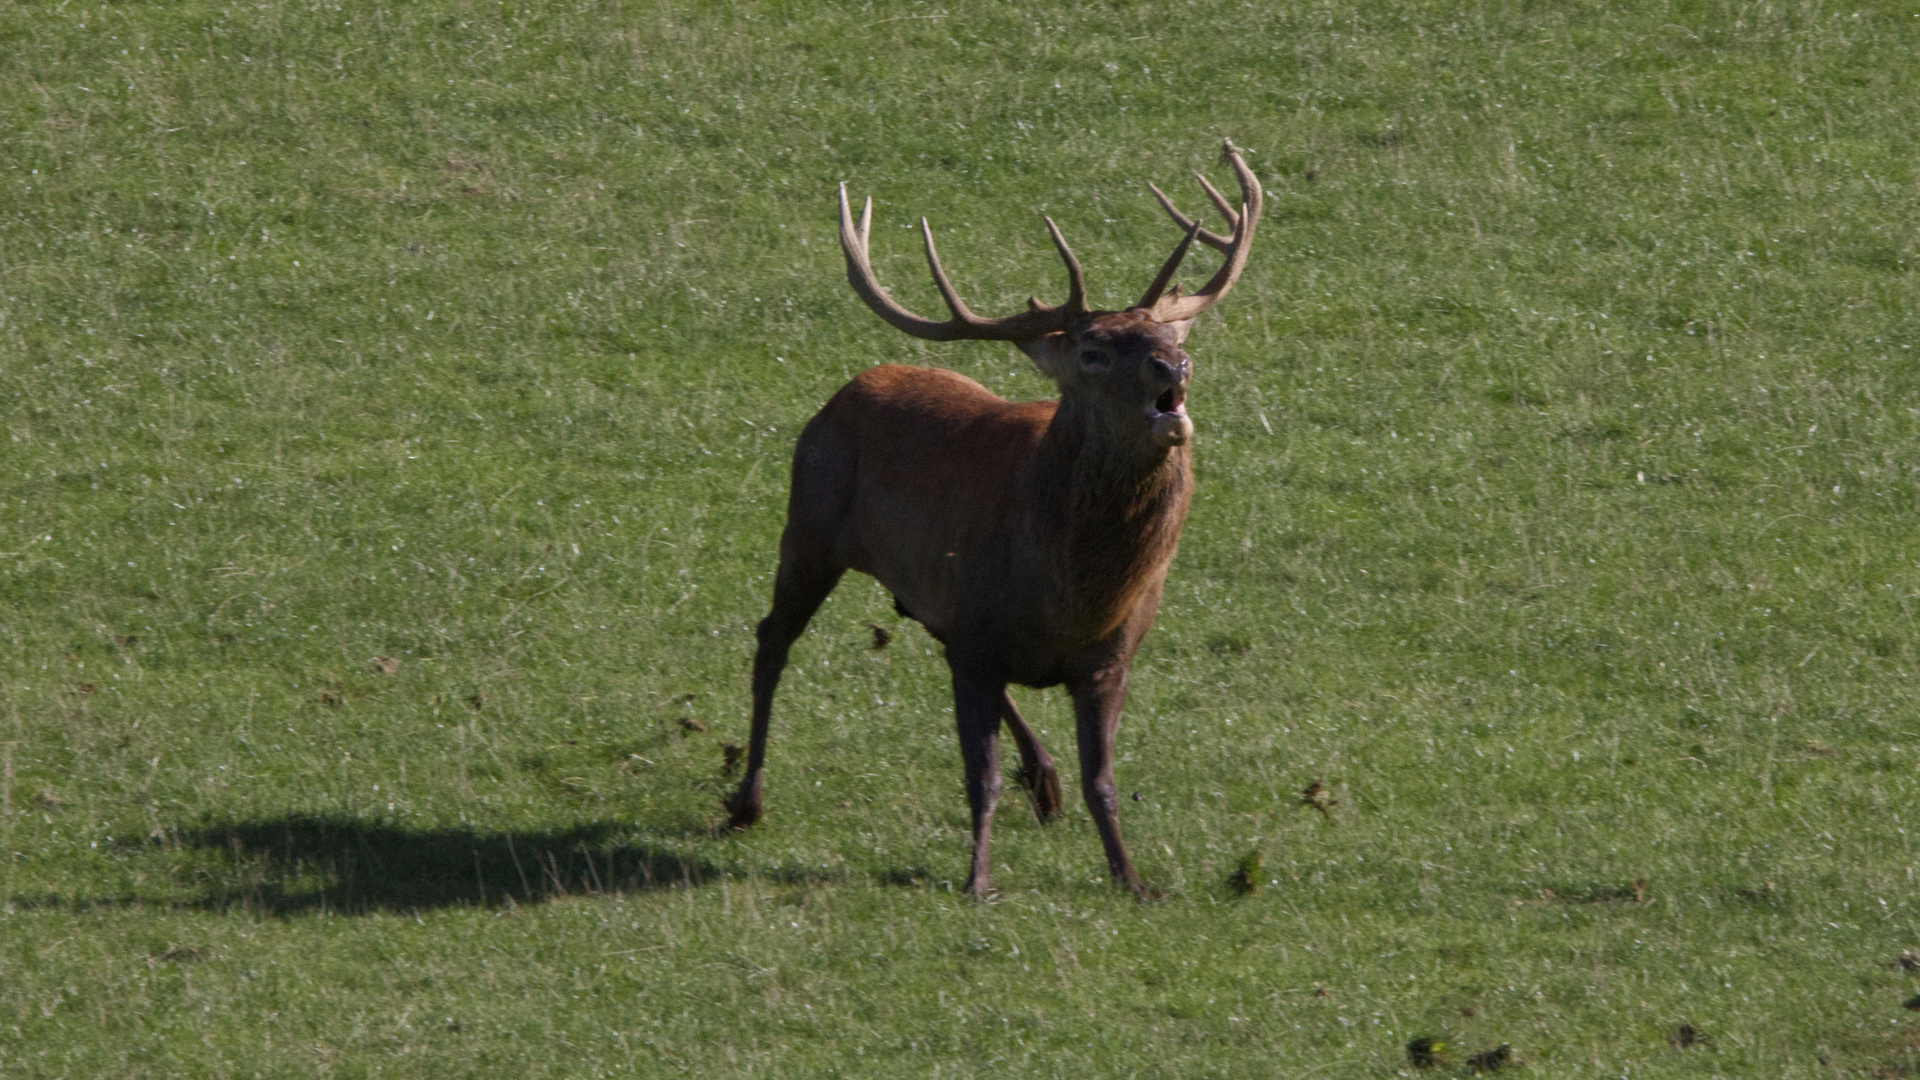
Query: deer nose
{"type": "Point", "coordinates": [1166, 374]}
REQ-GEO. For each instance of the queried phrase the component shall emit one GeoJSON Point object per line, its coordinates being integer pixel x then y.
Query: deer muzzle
{"type": "Point", "coordinates": [1168, 417]}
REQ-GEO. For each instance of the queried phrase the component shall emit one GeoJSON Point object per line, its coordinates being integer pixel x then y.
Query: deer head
{"type": "Point", "coordinates": [1128, 365]}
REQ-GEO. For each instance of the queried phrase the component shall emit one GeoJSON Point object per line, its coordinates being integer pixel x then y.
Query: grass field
{"type": "Point", "coordinates": [398, 403]}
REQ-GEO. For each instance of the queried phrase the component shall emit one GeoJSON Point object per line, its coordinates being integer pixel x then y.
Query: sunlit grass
{"type": "Point", "coordinates": [1557, 492]}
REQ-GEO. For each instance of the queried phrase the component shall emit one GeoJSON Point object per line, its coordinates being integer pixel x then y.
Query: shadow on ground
{"type": "Point", "coordinates": [302, 863]}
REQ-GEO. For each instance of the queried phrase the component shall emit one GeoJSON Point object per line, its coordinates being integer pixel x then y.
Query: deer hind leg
{"type": "Point", "coordinates": [976, 708]}
{"type": "Point", "coordinates": [1036, 775]}
{"type": "Point", "coordinates": [799, 588]}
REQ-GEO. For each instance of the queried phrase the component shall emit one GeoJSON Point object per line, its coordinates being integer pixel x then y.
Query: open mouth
{"type": "Point", "coordinates": [1167, 418]}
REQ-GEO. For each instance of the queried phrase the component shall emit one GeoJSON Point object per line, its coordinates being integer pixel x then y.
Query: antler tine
{"type": "Point", "coordinates": [853, 242]}
{"type": "Point", "coordinates": [1076, 280]}
{"type": "Point", "coordinates": [1181, 308]}
{"type": "Point", "coordinates": [1211, 239]}
{"type": "Point", "coordinates": [954, 304]}
{"type": "Point", "coordinates": [1219, 201]}
{"type": "Point", "coordinates": [964, 325]}
{"type": "Point", "coordinates": [1159, 286]}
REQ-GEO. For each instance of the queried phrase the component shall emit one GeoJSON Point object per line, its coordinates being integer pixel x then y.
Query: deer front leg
{"type": "Point", "coordinates": [976, 710]}
{"type": "Point", "coordinates": [1096, 712]}
{"type": "Point", "coordinates": [1037, 774]}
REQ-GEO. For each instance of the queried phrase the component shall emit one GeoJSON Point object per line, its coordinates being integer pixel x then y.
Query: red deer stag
{"type": "Point", "coordinates": [1030, 538]}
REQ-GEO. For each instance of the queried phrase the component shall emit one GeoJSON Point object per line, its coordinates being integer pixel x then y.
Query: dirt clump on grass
{"type": "Point", "coordinates": [1427, 1052]}
{"type": "Point", "coordinates": [1318, 797]}
{"type": "Point", "coordinates": [1492, 1059]}
{"type": "Point", "coordinates": [1249, 874]}
{"type": "Point", "coordinates": [1686, 1035]}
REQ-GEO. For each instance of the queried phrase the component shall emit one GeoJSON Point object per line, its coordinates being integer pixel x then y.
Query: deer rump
{"type": "Point", "coordinates": [1030, 538]}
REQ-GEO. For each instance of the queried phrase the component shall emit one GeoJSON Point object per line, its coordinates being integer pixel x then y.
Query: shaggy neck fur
{"type": "Point", "coordinates": [1110, 504]}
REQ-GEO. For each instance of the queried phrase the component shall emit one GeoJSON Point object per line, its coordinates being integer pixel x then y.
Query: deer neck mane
{"type": "Point", "coordinates": [1109, 506]}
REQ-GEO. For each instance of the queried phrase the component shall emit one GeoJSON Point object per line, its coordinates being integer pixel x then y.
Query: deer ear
{"type": "Point", "coordinates": [1052, 354]}
{"type": "Point", "coordinates": [1179, 329]}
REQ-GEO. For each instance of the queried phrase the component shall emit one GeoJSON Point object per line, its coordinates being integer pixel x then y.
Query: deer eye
{"type": "Point", "coordinates": [1093, 360]}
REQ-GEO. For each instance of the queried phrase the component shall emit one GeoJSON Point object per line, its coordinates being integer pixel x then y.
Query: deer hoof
{"type": "Point", "coordinates": [743, 809]}
{"type": "Point", "coordinates": [1043, 791]}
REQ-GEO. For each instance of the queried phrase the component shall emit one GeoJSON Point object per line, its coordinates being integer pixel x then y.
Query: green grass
{"type": "Point", "coordinates": [1558, 491]}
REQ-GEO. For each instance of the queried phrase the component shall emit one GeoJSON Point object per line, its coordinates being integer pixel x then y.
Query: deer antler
{"type": "Point", "coordinates": [1162, 306]}
{"type": "Point", "coordinates": [965, 325]}
{"type": "Point", "coordinates": [1172, 307]}
{"type": "Point", "coordinates": [1208, 237]}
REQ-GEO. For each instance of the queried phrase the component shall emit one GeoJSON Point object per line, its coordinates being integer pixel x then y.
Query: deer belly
{"type": "Point", "coordinates": [923, 588]}
{"type": "Point", "coordinates": [912, 543]}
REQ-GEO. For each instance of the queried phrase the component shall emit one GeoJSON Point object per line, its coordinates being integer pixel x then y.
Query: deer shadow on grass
{"type": "Point", "coordinates": [302, 863]}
